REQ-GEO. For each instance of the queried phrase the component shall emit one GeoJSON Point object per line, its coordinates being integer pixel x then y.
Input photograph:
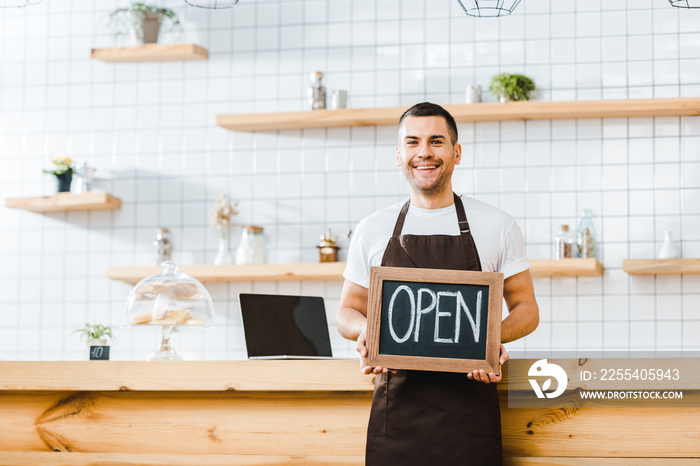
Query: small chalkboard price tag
{"type": "Point", "coordinates": [434, 320]}
{"type": "Point", "coordinates": [99, 353]}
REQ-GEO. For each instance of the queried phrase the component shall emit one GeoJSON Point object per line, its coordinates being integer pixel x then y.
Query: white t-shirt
{"type": "Point", "coordinates": [497, 236]}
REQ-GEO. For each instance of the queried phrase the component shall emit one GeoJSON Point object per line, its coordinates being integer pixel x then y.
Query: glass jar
{"type": "Point", "coordinates": [162, 247]}
{"type": "Point", "coordinates": [565, 244]}
{"type": "Point", "coordinates": [586, 235]}
{"type": "Point", "coordinates": [251, 249]}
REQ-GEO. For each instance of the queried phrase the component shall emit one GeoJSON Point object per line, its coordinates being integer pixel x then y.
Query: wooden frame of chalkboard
{"type": "Point", "coordinates": [390, 285]}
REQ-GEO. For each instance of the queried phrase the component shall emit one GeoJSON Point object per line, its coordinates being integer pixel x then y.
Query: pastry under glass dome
{"type": "Point", "coordinates": [173, 301]}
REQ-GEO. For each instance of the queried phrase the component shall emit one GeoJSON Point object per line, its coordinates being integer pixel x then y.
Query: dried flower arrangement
{"type": "Point", "coordinates": [222, 211]}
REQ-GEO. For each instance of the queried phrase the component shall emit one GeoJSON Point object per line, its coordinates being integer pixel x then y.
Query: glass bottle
{"type": "Point", "coordinates": [564, 244]}
{"type": "Point", "coordinates": [162, 246]}
{"type": "Point", "coordinates": [251, 249]}
{"type": "Point", "coordinates": [586, 235]}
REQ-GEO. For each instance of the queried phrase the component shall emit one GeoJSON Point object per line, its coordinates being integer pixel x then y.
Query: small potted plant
{"type": "Point", "coordinates": [96, 336]}
{"type": "Point", "coordinates": [511, 87]}
{"type": "Point", "coordinates": [63, 171]}
{"type": "Point", "coordinates": [142, 21]}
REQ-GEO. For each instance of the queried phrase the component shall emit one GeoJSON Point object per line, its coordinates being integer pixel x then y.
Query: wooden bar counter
{"type": "Point", "coordinates": [280, 413]}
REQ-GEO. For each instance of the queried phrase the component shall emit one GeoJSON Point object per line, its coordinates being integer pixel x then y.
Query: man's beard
{"type": "Point", "coordinates": [435, 189]}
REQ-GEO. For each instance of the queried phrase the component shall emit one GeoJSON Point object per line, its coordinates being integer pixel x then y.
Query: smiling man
{"type": "Point", "coordinates": [418, 417]}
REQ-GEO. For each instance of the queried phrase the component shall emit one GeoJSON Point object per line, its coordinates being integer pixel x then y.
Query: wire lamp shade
{"type": "Point", "coordinates": [18, 3]}
{"type": "Point", "coordinates": [212, 4]}
{"type": "Point", "coordinates": [489, 8]}
{"type": "Point", "coordinates": [685, 3]}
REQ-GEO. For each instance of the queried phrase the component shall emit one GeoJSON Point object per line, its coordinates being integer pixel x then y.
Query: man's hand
{"type": "Point", "coordinates": [481, 375]}
{"type": "Point", "coordinates": [362, 349]}
{"type": "Point", "coordinates": [351, 320]}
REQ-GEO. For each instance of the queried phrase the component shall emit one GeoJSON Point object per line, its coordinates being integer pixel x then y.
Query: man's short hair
{"type": "Point", "coordinates": [425, 109]}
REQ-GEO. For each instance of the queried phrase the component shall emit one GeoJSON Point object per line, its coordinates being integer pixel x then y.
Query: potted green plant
{"type": "Point", "coordinates": [142, 21]}
{"type": "Point", "coordinates": [509, 87]}
{"type": "Point", "coordinates": [96, 336]}
{"type": "Point", "coordinates": [63, 171]}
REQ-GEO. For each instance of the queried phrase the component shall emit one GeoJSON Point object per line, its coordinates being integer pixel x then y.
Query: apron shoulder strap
{"type": "Point", "coordinates": [402, 217]}
{"type": "Point", "coordinates": [461, 216]}
{"type": "Point", "coordinates": [465, 231]}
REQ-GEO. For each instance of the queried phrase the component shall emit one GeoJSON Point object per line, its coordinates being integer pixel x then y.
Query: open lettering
{"type": "Point", "coordinates": [443, 304]}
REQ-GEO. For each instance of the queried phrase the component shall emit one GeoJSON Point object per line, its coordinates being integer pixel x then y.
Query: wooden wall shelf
{"type": "Point", "coordinates": [531, 110]}
{"type": "Point", "coordinates": [151, 52]}
{"type": "Point", "coordinates": [661, 266]}
{"type": "Point", "coordinates": [325, 271]}
{"type": "Point", "coordinates": [566, 268]}
{"type": "Point", "coordinates": [238, 273]}
{"type": "Point", "coordinates": [65, 202]}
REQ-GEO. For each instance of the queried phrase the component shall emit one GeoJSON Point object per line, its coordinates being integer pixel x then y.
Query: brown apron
{"type": "Point", "coordinates": [425, 418]}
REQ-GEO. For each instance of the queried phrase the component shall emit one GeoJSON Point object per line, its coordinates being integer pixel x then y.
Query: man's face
{"type": "Point", "coordinates": [426, 154]}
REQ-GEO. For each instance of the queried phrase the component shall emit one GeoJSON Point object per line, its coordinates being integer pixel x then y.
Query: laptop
{"type": "Point", "coordinates": [285, 327]}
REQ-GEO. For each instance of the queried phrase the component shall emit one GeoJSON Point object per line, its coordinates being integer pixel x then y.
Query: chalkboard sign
{"type": "Point", "coordinates": [434, 320]}
{"type": "Point", "coordinates": [98, 353]}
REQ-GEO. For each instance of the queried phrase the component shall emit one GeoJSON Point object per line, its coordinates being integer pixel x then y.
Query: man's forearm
{"type": "Point", "coordinates": [522, 320]}
{"type": "Point", "coordinates": [350, 318]}
{"type": "Point", "coordinates": [350, 322]}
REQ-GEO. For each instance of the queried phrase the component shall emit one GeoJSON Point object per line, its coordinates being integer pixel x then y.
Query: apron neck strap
{"type": "Point", "coordinates": [402, 217]}
{"type": "Point", "coordinates": [459, 207]}
{"type": "Point", "coordinates": [461, 216]}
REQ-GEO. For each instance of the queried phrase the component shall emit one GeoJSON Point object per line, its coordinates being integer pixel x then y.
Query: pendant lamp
{"type": "Point", "coordinates": [212, 4]}
{"type": "Point", "coordinates": [489, 8]}
{"type": "Point", "coordinates": [685, 3]}
{"type": "Point", "coordinates": [18, 3]}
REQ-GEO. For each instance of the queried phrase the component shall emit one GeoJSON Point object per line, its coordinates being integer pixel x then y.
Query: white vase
{"type": "Point", "coordinates": [223, 256]}
{"type": "Point", "coordinates": [669, 250]}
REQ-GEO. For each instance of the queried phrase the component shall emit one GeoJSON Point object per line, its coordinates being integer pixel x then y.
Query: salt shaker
{"type": "Point", "coordinates": [317, 91]}
{"type": "Point", "coordinates": [473, 94]}
{"type": "Point", "coordinates": [161, 246]}
{"type": "Point", "coordinates": [83, 178]}
{"type": "Point", "coordinates": [339, 99]}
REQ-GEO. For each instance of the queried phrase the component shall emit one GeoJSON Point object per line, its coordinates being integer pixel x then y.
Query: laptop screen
{"type": "Point", "coordinates": [279, 325]}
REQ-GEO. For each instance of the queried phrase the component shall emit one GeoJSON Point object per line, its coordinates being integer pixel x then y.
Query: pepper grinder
{"type": "Point", "coordinates": [317, 91]}
{"type": "Point", "coordinates": [565, 244]}
{"type": "Point", "coordinates": [162, 247]}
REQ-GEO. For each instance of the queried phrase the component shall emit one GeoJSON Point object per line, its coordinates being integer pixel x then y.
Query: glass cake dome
{"type": "Point", "coordinates": [172, 301]}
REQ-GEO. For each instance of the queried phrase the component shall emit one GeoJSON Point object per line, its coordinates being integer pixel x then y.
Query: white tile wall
{"type": "Point", "coordinates": [149, 130]}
